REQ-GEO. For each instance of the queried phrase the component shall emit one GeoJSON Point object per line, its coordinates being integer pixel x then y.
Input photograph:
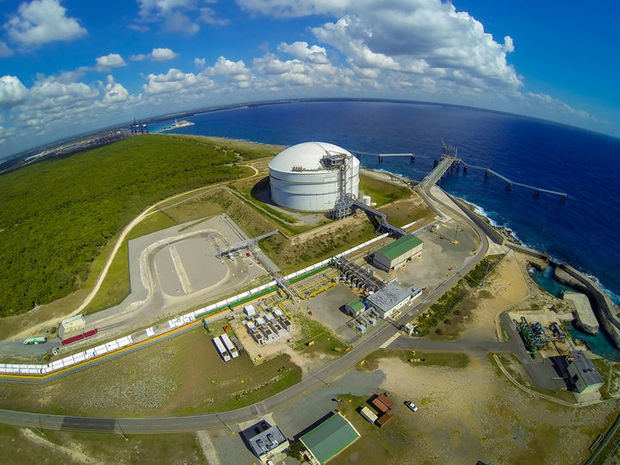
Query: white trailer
{"type": "Point", "coordinates": [221, 349]}
{"type": "Point", "coordinates": [229, 345]}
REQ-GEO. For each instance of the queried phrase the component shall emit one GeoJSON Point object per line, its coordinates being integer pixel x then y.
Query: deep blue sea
{"type": "Point", "coordinates": [586, 165]}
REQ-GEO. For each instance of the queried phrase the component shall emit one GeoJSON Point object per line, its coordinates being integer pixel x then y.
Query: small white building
{"type": "Point", "coordinates": [391, 298]}
{"type": "Point", "coordinates": [249, 310]}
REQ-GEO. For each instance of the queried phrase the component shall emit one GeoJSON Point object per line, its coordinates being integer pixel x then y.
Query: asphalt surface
{"type": "Point", "coordinates": [313, 381]}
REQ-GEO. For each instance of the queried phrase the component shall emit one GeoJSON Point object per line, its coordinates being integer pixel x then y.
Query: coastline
{"type": "Point", "coordinates": [602, 304]}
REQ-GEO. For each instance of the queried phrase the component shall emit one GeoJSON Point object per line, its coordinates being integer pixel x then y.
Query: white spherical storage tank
{"type": "Point", "coordinates": [300, 180]}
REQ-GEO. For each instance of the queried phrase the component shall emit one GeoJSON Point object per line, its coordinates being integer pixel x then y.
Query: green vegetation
{"type": "Point", "coordinates": [382, 192]}
{"type": "Point", "coordinates": [314, 246]}
{"type": "Point", "coordinates": [324, 340]}
{"type": "Point", "coordinates": [610, 372]}
{"type": "Point", "coordinates": [58, 215]}
{"type": "Point", "coordinates": [459, 300]}
{"type": "Point", "coordinates": [180, 376]}
{"type": "Point", "coordinates": [416, 358]}
{"type": "Point", "coordinates": [20, 445]}
{"type": "Point", "coordinates": [393, 444]}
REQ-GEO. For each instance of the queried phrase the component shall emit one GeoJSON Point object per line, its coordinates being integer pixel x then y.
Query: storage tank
{"type": "Point", "coordinates": [301, 180]}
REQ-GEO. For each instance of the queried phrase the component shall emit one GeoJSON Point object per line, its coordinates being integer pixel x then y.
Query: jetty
{"type": "Point", "coordinates": [509, 182]}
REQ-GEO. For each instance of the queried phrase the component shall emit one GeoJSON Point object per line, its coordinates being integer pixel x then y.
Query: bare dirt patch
{"type": "Point", "coordinates": [469, 414]}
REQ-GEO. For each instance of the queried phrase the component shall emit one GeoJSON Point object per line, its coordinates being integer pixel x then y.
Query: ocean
{"type": "Point", "coordinates": [581, 231]}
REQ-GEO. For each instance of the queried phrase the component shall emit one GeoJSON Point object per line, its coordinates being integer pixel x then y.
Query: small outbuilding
{"type": "Point", "coordinates": [354, 308]}
{"type": "Point", "coordinates": [266, 441]}
{"type": "Point", "coordinates": [368, 414]}
{"type": "Point", "coordinates": [583, 374]}
{"type": "Point", "coordinates": [395, 254]}
{"type": "Point", "coordinates": [329, 438]}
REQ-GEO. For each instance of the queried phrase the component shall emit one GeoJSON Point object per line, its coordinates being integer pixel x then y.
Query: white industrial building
{"type": "Point", "coordinates": [302, 177]}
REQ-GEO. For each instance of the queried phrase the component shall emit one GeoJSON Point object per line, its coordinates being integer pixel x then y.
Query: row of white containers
{"type": "Point", "coordinates": [71, 360]}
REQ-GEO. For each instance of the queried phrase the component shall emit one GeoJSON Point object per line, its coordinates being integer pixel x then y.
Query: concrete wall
{"type": "Point", "coordinates": [526, 250]}
{"type": "Point", "coordinates": [601, 303]}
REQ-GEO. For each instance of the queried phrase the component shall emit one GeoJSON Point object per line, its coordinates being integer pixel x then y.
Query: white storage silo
{"type": "Point", "coordinates": [300, 180]}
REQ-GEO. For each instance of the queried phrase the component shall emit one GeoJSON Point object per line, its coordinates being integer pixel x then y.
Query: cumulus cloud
{"type": "Point", "coordinates": [163, 54]}
{"type": "Point", "coordinates": [112, 60]}
{"type": "Point", "coordinates": [42, 21]}
{"type": "Point", "coordinates": [424, 37]}
{"type": "Point", "coordinates": [200, 62]}
{"type": "Point", "coordinates": [314, 54]}
{"type": "Point", "coordinates": [114, 92]}
{"type": "Point", "coordinates": [175, 81]}
{"type": "Point", "coordinates": [12, 91]}
{"type": "Point", "coordinates": [177, 15]}
{"type": "Point", "coordinates": [158, 54]}
{"type": "Point", "coordinates": [299, 72]}
{"type": "Point", "coordinates": [235, 71]}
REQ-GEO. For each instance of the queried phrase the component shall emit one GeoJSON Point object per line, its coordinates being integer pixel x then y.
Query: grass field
{"type": "Point", "coordinates": [58, 215]}
{"type": "Point", "coordinates": [19, 446]}
{"type": "Point", "coordinates": [181, 376]}
{"type": "Point", "coordinates": [419, 358]}
{"type": "Point", "coordinates": [382, 192]}
{"type": "Point", "coordinates": [323, 339]}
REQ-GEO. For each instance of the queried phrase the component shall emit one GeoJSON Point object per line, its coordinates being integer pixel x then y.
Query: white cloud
{"type": "Point", "coordinates": [297, 72]}
{"type": "Point", "coordinates": [114, 92]}
{"type": "Point", "coordinates": [158, 54]}
{"type": "Point", "coordinates": [314, 54]}
{"type": "Point", "coordinates": [42, 21]}
{"type": "Point", "coordinates": [297, 8]}
{"type": "Point", "coordinates": [112, 60]}
{"type": "Point", "coordinates": [5, 51]}
{"type": "Point", "coordinates": [180, 16]}
{"type": "Point", "coordinates": [200, 62]}
{"type": "Point", "coordinates": [208, 16]}
{"type": "Point", "coordinates": [236, 72]}
{"type": "Point", "coordinates": [162, 54]}
{"type": "Point", "coordinates": [397, 38]}
{"type": "Point", "coordinates": [175, 81]}
{"type": "Point", "coordinates": [553, 104]}
{"type": "Point", "coordinates": [12, 91]}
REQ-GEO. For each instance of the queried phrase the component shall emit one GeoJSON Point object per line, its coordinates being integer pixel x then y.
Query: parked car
{"type": "Point", "coordinates": [413, 407]}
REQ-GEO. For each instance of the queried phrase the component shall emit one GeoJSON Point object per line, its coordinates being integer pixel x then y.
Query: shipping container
{"type": "Point", "coordinates": [220, 348]}
{"type": "Point", "coordinates": [368, 414]}
{"type": "Point", "coordinates": [229, 345]}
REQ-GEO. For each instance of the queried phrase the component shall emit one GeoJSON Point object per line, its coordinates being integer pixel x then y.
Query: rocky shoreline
{"type": "Point", "coordinates": [604, 309]}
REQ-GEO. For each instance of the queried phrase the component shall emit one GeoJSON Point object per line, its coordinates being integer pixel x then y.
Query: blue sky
{"type": "Point", "coordinates": [69, 66]}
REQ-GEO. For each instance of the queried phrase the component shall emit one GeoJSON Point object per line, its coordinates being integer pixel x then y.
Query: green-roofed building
{"type": "Point", "coordinates": [329, 438]}
{"type": "Point", "coordinates": [354, 308]}
{"type": "Point", "coordinates": [395, 254]}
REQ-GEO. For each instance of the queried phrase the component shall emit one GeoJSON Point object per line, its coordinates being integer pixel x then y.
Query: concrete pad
{"type": "Point", "coordinates": [326, 308]}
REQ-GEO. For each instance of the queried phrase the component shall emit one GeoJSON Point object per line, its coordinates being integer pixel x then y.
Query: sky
{"type": "Point", "coordinates": [70, 66]}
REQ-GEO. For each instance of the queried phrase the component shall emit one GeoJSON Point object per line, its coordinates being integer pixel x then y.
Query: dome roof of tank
{"type": "Point", "coordinates": [305, 156]}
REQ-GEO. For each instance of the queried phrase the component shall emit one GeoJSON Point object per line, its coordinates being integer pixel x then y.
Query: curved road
{"type": "Point", "coordinates": [311, 382]}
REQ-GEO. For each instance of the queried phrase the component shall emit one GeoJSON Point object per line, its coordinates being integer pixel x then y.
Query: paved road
{"type": "Point", "coordinates": [314, 380]}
